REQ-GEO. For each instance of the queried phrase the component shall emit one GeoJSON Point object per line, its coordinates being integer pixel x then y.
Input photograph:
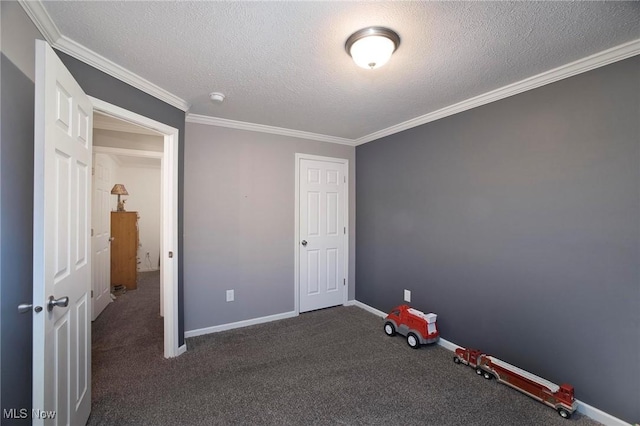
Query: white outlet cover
{"type": "Point", "coordinates": [230, 296]}
{"type": "Point", "coordinates": [407, 295]}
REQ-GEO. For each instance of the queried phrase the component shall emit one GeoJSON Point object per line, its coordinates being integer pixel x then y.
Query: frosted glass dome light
{"type": "Point", "coordinates": [372, 47]}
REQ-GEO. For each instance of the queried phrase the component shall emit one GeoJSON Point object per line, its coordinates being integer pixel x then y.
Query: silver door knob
{"type": "Point", "coordinates": [63, 302]}
{"type": "Point", "coordinates": [23, 308]}
{"type": "Point", "coordinates": [304, 243]}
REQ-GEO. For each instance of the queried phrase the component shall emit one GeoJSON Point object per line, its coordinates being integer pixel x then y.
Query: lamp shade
{"type": "Point", "coordinates": [119, 189]}
{"type": "Point", "coordinates": [372, 47]}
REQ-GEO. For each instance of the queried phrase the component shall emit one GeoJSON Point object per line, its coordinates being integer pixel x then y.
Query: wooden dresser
{"type": "Point", "coordinates": [124, 249]}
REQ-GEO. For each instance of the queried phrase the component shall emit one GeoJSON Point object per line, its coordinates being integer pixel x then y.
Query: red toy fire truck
{"type": "Point", "coordinates": [560, 398]}
{"type": "Point", "coordinates": [418, 327]}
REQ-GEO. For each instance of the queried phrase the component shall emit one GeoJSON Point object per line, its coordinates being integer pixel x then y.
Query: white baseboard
{"type": "Point", "coordinates": [239, 324]}
{"type": "Point", "coordinates": [369, 309]}
{"type": "Point", "coordinates": [585, 409]}
{"type": "Point", "coordinates": [254, 321]}
{"type": "Point", "coordinates": [447, 344]}
{"type": "Point", "coordinates": [182, 349]}
{"type": "Point", "coordinates": [599, 415]}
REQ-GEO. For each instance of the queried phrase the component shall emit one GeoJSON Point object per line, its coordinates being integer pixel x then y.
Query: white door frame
{"type": "Point", "coordinates": [296, 242]}
{"type": "Point", "coordinates": [169, 213]}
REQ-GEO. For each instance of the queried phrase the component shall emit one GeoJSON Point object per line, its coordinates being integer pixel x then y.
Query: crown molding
{"type": "Point", "coordinates": [597, 60]}
{"type": "Point", "coordinates": [589, 63]}
{"type": "Point", "coordinates": [42, 20]}
{"type": "Point", "coordinates": [90, 57]}
{"type": "Point", "coordinates": [252, 127]}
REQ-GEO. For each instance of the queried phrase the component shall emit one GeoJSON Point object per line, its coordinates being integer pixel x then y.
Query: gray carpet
{"type": "Point", "coordinates": [333, 366]}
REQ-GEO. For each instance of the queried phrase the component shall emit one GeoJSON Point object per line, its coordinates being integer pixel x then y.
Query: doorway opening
{"type": "Point", "coordinates": [165, 151]}
{"type": "Point", "coordinates": [125, 238]}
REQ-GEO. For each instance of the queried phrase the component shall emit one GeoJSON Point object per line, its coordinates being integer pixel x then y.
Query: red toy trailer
{"type": "Point", "coordinates": [418, 327]}
{"type": "Point", "coordinates": [560, 398]}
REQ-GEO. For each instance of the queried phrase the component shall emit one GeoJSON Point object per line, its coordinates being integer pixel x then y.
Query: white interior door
{"type": "Point", "coordinates": [62, 256]}
{"type": "Point", "coordinates": [322, 200]}
{"type": "Point", "coordinates": [101, 233]}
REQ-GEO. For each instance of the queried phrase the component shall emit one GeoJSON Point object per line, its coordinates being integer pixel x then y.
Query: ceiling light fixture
{"type": "Point", "coordinates": [372, 47]}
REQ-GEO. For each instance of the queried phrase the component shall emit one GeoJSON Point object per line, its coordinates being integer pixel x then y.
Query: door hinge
{"type": "Point", "coordinates": [345, 179]}
{"type": "Point", "coordinates": [344, 281]}
{"type": "Point", "coordinates": [170, 255]}
{"type": "Point", "coordinates": [345, 230]}
{"type": "Point", "coordinates": [92, 294]}
{"type": "Point", "coordinates": [93, 171]}
{"type": "Point", "coordinates": [92, 232]}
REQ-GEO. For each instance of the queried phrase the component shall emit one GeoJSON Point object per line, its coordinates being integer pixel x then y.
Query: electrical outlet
{"type": "Point", "coordinates": [407, 296]}
{"type": "Point", "coordinates": [230, 296]}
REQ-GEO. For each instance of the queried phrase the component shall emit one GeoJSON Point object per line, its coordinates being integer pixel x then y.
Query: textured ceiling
{"type": "Point", "coordinates": [283, 64]}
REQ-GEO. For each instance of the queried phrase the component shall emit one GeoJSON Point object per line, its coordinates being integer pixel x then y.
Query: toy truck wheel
{"type": "Point", "coordinates": [564, 413]}
{"type": "Point", "coordinates": [487, 376]}
{"type": "Point", "coordinates": [456, 360]}
{"type": "Point", "coordinates": [389, 329]}
{"type": "Point", "coordinates": [479, 371]}
{"type": "Point", "coordinates": [412, 340]}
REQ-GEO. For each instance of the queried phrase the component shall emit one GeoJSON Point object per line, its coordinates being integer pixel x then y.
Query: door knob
{"type": "Point", "coordinates": [23, 308]}
{"type": "Point", "coordinates": [304, 243]}
{"type": "Point", "coordinates": [112, 238]}
{"type": "Point", "coordinates": [63, 302]}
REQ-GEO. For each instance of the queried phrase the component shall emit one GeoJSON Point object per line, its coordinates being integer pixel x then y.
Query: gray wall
{"type": "Point", "coordinates": [518, 223]}
{"type": "Point", "coordinates": [16, 193]}
{"type": "Point", "coordinates": [239, 222]}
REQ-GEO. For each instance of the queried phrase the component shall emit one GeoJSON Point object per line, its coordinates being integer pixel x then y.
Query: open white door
{"type": "Point", "coordinates": [100, 236]}
{"type": "Point", "coordinates": [61, 246]}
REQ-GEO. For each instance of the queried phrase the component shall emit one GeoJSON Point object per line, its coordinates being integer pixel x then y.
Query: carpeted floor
{"type": "Point", "coordinates": [333, 366]}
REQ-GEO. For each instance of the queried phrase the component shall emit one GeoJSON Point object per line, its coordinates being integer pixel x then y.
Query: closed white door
{"type": "Point", "coordinates": [100, 241]}
{"type": "Point", "coordinates": [62, 250]}
{"type": "Point", "coordinates": [322, 204]}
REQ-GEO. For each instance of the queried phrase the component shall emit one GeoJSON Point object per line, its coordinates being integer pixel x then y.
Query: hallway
{"type": "Point", "coordinates": [127, 344]}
